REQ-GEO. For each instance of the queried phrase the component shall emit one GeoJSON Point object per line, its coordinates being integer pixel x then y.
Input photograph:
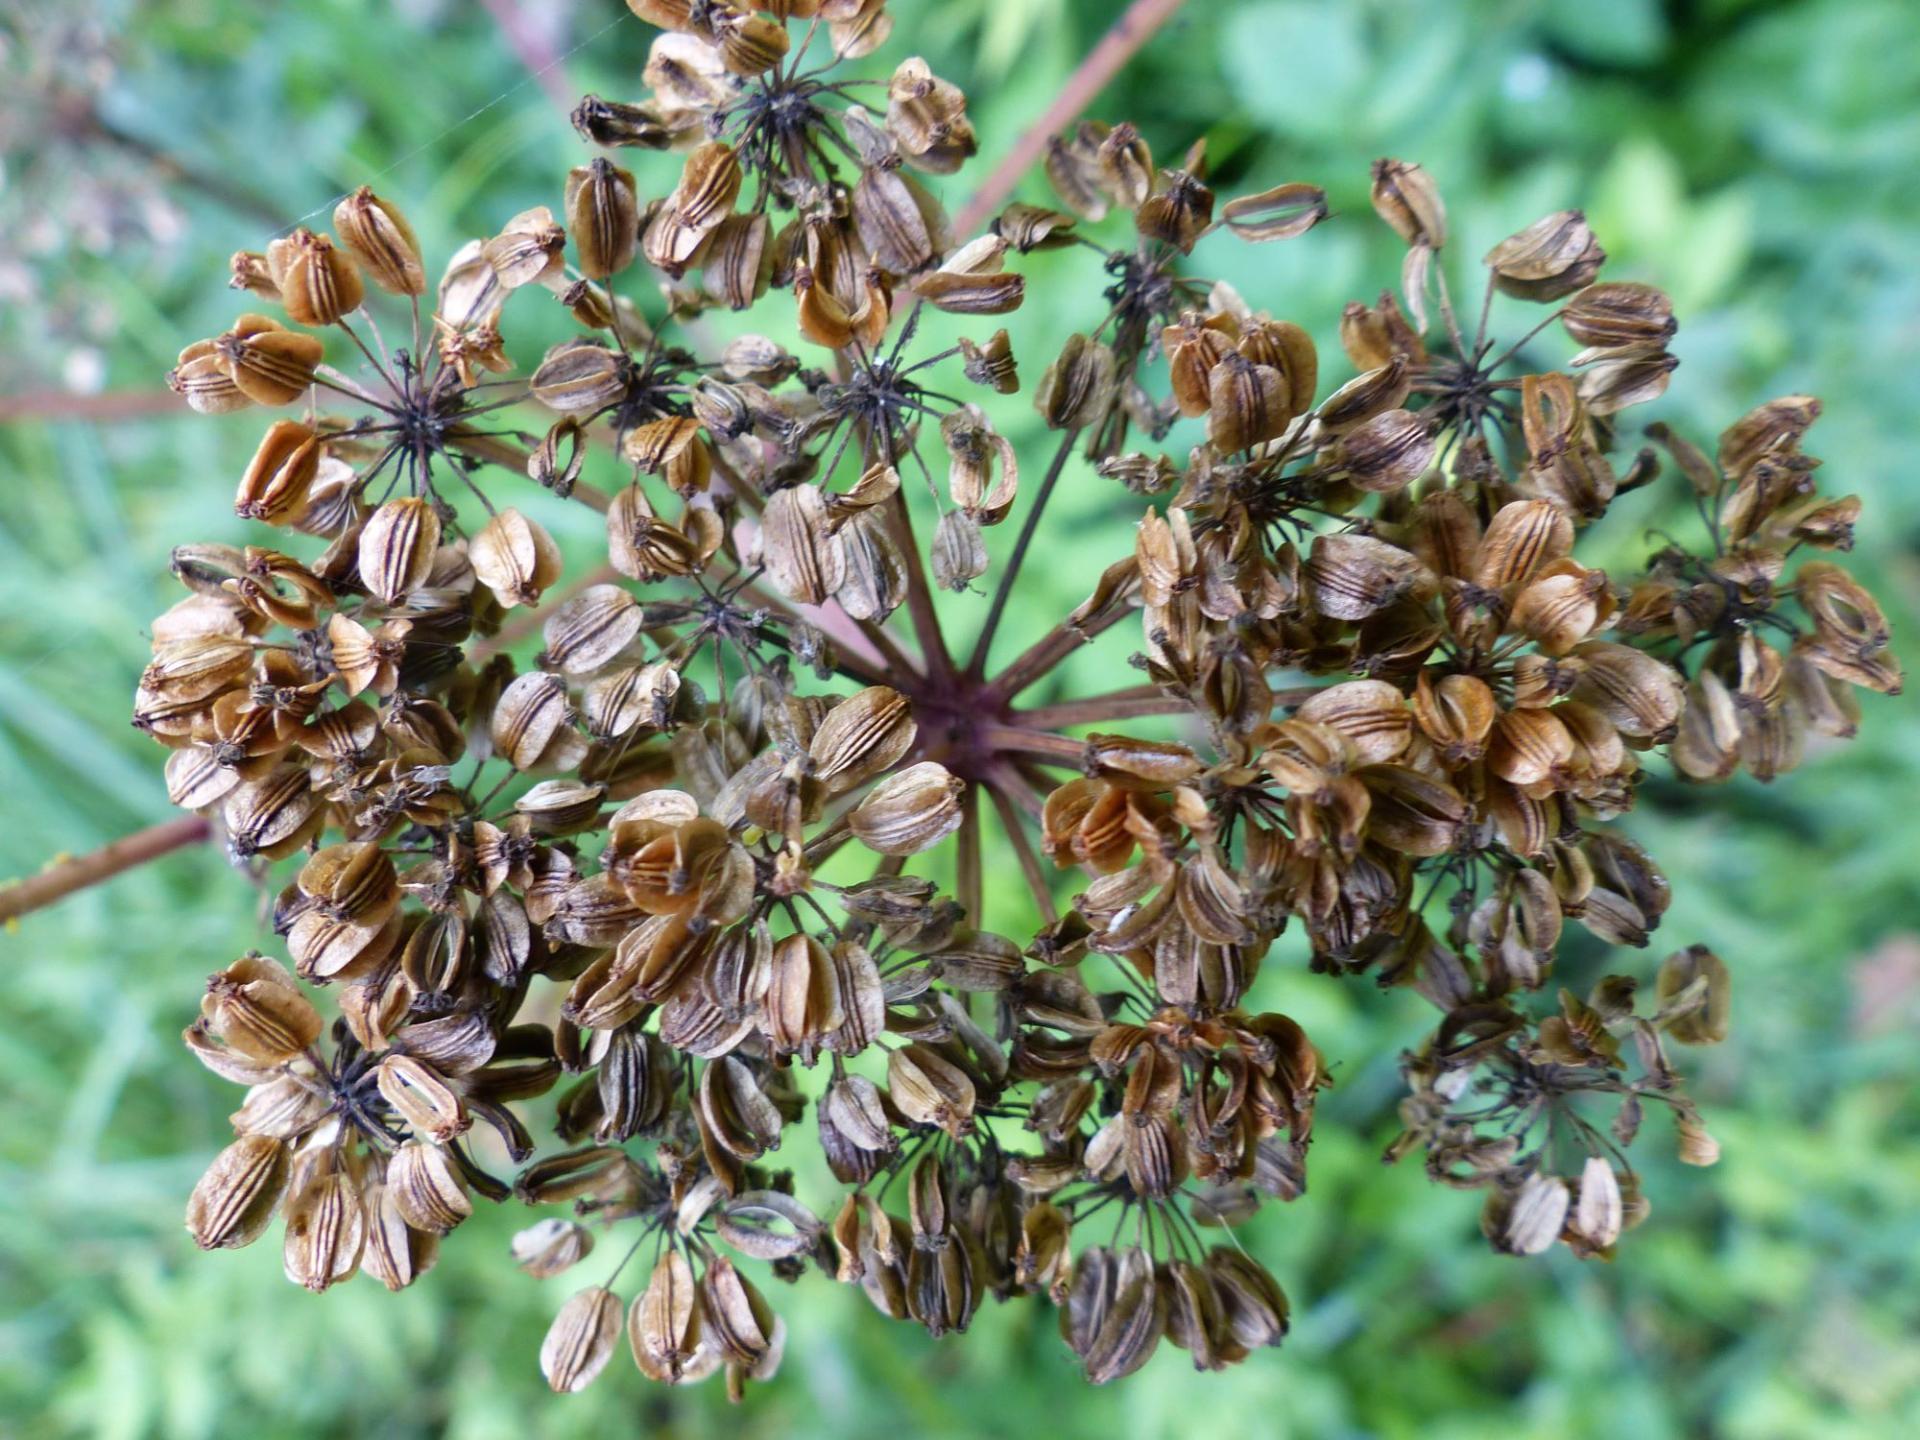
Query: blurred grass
{"type": "Point", "coordinates": [1755, 157]}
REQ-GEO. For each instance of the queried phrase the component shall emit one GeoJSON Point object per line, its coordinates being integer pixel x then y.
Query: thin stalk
{"type": "Point", "coordinates": [1125, 704]}
{"type": "Point", "coordinates": [1017, 787]}
{"type": "Point", "coordinates": [977, 666]}
{"type": "Point", "coordinates": [65, 876]}
{"type": "Point", "coordinates": [1016, 828]}
{"type": "Point", "coordinates": [968, 879]}
{"type": "Point", "coordinates": [1057, 749]}
{"type": "Point", "coordinates": [926, 623]}
{"type": "Point", "coordinates": [106, 408]}
{"type": "Point", "coordinates": [1050, 650]}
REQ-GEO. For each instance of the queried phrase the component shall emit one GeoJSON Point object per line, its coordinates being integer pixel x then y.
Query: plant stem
{"type": "Point", "coordinates": [1118, 705]}
{"type": "Point", "coordinates": [1126, 35]}
{"type": "Point", "coordinates": [72, 873]}
{"type": "Point", "coordinates": [106, 407]}
{"type": "Point", "coordinates": [967, 876]}
{"type": "Point", "coordinates": [1050, 650]}
{"type": "Point", "coordinates": [1016, 828]}
{"type": "Point", "coordinates": [926, 623]}
{"type": "Point", "coordinates": [1058, 749]}
{"type": "Point", "coordinates": [978, 664]}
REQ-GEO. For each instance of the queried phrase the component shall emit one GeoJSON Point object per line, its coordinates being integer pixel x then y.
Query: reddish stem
{"type": "Point", "coordinates": [967, 878]}
{"type": "Point", "coordinates": [76, 872]}
{"type": "Point", "coordinates": [1016, 828]}
{"type": "Point", "coordinates": [1119, 705]}
{"type": "Point", "coordinates": [108, 407]}
{"type": "Point", "coordinates": [977, 666]}
{"type": "Point", "coordinates": [926, 623]}
{"type": "Point", "coordinates": [1055, 749]}
{"type": "Point", "coordinates": [1050, 650]}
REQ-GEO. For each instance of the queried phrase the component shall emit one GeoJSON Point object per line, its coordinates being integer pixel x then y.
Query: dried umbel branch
{"type": "Point", "coordinates": [665, 871]}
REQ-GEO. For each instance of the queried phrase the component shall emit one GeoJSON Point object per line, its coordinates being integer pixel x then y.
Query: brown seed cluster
{"type": "Point", "coordinates": [609, 927]}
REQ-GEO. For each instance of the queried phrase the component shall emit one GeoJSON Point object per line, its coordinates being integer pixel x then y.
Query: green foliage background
{"type": "Point", "coordinates": [1755, 157]}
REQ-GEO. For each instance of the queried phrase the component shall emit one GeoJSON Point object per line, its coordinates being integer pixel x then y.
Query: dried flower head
{"type": "Point", "coordinates": [667, 863]}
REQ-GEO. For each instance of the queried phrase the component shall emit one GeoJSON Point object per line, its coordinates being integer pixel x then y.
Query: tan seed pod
{"type": "Point", "coordinates": [803, 996]}
{"type": "Point", "coordinates": [354, 881]}
{"type": "Point", "coordinates": [1561, 605]}
{"type": "Point", "coordinates": [1619, 312]}
{"type": "Point", "coordinates": [1641, 695]}
{"type": "Point", "coordinates": [670, 447]}
{"type": "Point", "coordinates": [802, 554]}
{"type": "Point", "coordinates": [959, 551]}
{"type": "Point", "coordinates": [603, 213]}
{"type": "Point", "coordinates": [972, 292]}
{"type": "Point", "coordinates": [376, 234]}
{"type": "Point", "coordinates": [743, 1324]}
{"type": "Point", "coordinates": [991, 364]}
{"type": "Point", "coordinates": [550, 1247]}
{"type": "Point", "coordinates": [326, 1231]}
{"type": "Point", "coordinates": [910, 811]}
{"type": "Point", "coordinates": [1523, 536]}
{"type": "Point", "coordinates": [983, 474]}
{"type": "Point", "coordinates": [531, 248]}
{"type": "Point", "coordinates": [929, 1090]}
{"type": "Point", "coordinates": [395, 1253]}
{"type": "Point", "coordinates": [274, 488]}
{"type": "Point", "coordinates": [318, 283]}
{"type": "Point", "coordinates": [1371, 714]}
{"type": "Point", "coordinates": [1615, 377]}
{"type": "Point", "coordinates": [581, 1340]}
{"type": "Point", "coordinates": [396, 547]}
{"type": "Point", "coordinates": [234, 1201]}
{"type": "Point", "coordinates": [515, 558]}
{"type": "Point", "coordinates": [530, 713]}
{"type": "Point", "coordinates": [748, 44]}
{"type": "Point", "coordinates": [898, 220]}
{"type": "Point", "coordinates": [427, 1103]}
{"type": "Point", "coordinates": [1406, 198]}
{"type": "Point", "coordinates": [665, 1325]}
{"type": "Point", "coordinates": [427, 1188]}
{"type": "Point", "coordinates": [1551, 258]}
{"type": "Point", "coordinates": [739, 260]}
{"type": "Point", "coordinates": [863, 735]}
{"type": "Point", "coordinates": [1528, 1220]}
{"type": "Point", "coordinates": [1373, 335]}
{"type": "Point", "coordinates": [1695, 992]}
{"type": "Point", "coordinates": [1354, 576]}
{"type": "Point", "coordinates": [1277, 214]}
{"type": "Point", "coordinates": [1598, 1213]}
{"type": "Point", "coordinates": [1385, 453]}
{"type": "Point", "coordinates": [255, 1007]}
{"type": "Point", "coordinates": [200, 377]}
{"type": "Point", "coordinates": [580, 377]}
{"type": "Point", "coordinates": [644, 547]}
{"type": "Point", "coordinates": [269, 364]}
{"type": "Point", "coordinates": [1079, 387]}
{"type": "Point", "coordinates": [591, 629]}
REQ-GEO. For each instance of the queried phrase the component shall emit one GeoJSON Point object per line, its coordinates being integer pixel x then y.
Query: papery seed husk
{"type": "Point", "coordinates": [581, 1339]}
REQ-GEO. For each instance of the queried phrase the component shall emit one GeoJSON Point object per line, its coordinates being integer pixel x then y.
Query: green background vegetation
{"type": "Point", "coordinates": [1755, 157]}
